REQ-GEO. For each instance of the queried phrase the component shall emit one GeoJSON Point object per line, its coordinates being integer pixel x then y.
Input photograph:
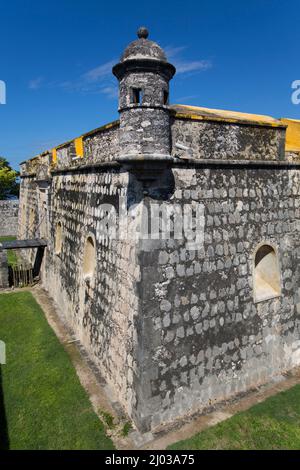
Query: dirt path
{"type": "Point", "coordinates": [225, 411]}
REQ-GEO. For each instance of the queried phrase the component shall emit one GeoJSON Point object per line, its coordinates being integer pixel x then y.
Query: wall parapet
{"type": "Point", "coordinates": [196, 134]}
{"type": "Point", "coordinates": [195, 113]}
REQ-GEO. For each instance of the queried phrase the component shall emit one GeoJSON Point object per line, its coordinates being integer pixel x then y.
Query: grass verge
{"type": "Point", "coordinates": [11, 254]}
{"type": "Point", "coordinates": [42, 403]}
{"type": "Point", "coordinates": [272, 424]}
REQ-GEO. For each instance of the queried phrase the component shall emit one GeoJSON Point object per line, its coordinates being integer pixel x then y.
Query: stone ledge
{"type": "Point", "coordinates": [235, 163]}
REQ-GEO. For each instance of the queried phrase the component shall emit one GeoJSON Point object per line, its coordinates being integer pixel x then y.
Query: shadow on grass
{"type": "Point", "coordinates": [4, 441]}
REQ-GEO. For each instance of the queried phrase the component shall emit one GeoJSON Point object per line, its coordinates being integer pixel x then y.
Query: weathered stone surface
{"type": "Point", "coordinates": [9, 217]}
{"type": "Point", "coordinates": [3, 270]}
{"type": "Point", "coordinates": [227, 141]}
{"type": "Point", "coordinates": [238, 343]}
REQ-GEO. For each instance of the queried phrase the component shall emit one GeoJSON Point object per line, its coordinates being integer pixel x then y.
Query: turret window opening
{"type": "Point", "coordinates": [166, 97]}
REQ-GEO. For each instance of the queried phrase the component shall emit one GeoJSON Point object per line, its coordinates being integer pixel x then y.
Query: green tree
{"type": "Point", "coordinates": [9, 185]}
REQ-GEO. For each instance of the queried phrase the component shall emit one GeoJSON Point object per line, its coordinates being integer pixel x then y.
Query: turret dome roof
{"type": "Point", "coordinates": [143, 48]}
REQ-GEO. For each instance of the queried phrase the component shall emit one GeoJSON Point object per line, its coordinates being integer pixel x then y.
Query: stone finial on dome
{"type": "Point", "coordinates": [142, 32]}
{"type": "Point", "coordinates": [142, 48]}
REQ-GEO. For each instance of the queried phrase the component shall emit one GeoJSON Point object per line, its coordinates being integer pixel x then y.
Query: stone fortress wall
{"type": "Point", "coordinates": [9, 217]}
{"type": "Point", "coordinates": [208, 338]}
{"type": "Point", "coordinates": [172, 329]}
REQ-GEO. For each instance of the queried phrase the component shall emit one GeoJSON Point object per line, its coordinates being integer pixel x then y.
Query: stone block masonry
{"type": "Point", "coordinates": [173, 327]}
{"type": "Point", "coordinates": [206, 338]}
{"type": "Point", "coordinates": [9, 217]}
{"type": "Point", "coordinates": [3, 270]}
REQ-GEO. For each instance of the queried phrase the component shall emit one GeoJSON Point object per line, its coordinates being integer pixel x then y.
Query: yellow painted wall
{"type": "Point", "coordinates": [79, 146]}
{"type": "Point", "coordinates": [54, 156]}
{"type": "Point", "coordinates": [292, 143]}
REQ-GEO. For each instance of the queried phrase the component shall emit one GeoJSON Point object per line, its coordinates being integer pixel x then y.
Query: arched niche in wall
{"type": "Point", "coordinates": [266, 276]}
{"type": "Point", "coordinates": [31, 227]}
{"type": "Point", "coordinates": [58, 238]}
{"type": "Point", "coordinates": [89, 257]}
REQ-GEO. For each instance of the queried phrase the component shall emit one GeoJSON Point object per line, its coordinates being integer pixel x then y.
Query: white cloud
{"type": "Point", "coordinates": [99, 73]}
{"type": "Point", "coordinates": [96, 80]}
{"type": "Point", "coordinates": [35, 83]}
{"type": "Point", "coordinates": [174, 54]}
{"type": "Point", "coordinates": [100, 80]}
{"type": "Point", "coordinates": [185, 99]}
{"type": "Point", "coordinates": [110, 91]}
{"type": "Point", "coordinates": [184, 66]}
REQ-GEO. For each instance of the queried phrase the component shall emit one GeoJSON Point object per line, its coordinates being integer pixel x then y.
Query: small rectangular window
{"type": "Point", "coordinates": [136, 96]}
{"type": "Point", "coordinates": [166, 97]}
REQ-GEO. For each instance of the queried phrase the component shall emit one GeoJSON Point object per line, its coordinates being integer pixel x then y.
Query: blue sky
{"type": "Point", "coordinates": [56, 59]}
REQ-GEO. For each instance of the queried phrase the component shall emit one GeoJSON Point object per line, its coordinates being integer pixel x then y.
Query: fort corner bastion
{"type": "Point", "coordinates": [180, 322]}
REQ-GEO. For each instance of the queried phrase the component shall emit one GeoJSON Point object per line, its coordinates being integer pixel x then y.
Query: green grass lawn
{"type": "Point", "coordinates": [11, 254]}
{"type": "Point", "coordinates": [42, 403]}
{"type": "Point", "coordinates": [272, 424]}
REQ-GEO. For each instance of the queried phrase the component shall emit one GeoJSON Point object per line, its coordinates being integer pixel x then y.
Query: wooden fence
{"type": "Point", "coordinates": [21, 275]}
